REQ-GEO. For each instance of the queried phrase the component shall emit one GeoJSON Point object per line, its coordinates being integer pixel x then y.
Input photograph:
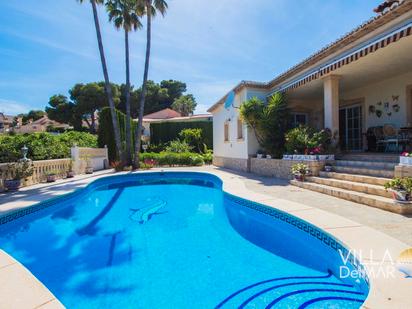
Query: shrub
{"type": "Point", "coordinates": [306, 140]}
{"type": "Point", "coordinates": [106, 133]}
{"type": "Point", "coordinates": [400, 184]}
{"type": "Point", "coordinates": [268, 121]}
{"type": "Point", "coordinates": [300, 169]}
{"type": "Point", "coordinates": [43, 146]}
{"type": "Point", "coordinates": [164, 132]}
{"type": "Point", "coordinates": [171, 158]}
{"type": "Point", "coordinates": [178, 147]}
{"type": "Point", "coordinates": [193, 137]}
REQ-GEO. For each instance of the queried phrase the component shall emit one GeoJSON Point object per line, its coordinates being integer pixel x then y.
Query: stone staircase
{"type": "Point", "coordinates": [360, 179]}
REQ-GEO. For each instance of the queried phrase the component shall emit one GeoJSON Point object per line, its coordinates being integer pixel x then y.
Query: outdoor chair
{"type": "Point", "coordinates": [391, 138]}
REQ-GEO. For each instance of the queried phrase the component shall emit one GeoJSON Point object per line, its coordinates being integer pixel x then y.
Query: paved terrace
{"type": "Point", "coordinates": [359, 227]}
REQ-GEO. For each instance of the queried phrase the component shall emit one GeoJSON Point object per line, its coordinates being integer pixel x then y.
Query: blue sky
{"type": "Point", "coordinates": [47, 46]}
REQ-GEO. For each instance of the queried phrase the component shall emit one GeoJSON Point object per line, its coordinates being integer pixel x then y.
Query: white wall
{"type": "Point", "coordinates": [234, 148]}
{"type": "Point", "coordinates": [383, 91]}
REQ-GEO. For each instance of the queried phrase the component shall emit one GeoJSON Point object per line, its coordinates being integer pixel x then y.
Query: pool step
{"type": "Point", "coordinates": [352, 186]}
{"type": "Point", "coordinates": [357, 197]}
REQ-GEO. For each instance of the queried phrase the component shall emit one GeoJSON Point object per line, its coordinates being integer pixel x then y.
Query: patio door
{"type": "Point", "coordinates": [350, 128]}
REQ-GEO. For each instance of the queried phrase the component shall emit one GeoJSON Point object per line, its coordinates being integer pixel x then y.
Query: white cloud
{"type": "Point", "coordinates": [11, 107]}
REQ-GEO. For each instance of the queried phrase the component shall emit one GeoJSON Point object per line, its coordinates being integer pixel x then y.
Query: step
{"type": "Point", "coordinates": [391, 158]}
{"type": "Point", "coordinates": [380, 181]}
{"type": "Point", "coordinates": [365, 171]}
{"type": "Point", "coordinates": [366, 164]}
{"type": "Point", "coordinates": [352, 186]}
{"type": "Point", "coordinates": [357, 197]}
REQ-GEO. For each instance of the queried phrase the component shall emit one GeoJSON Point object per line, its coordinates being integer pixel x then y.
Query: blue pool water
{"type": "Point", "coordinates": [174, 240]}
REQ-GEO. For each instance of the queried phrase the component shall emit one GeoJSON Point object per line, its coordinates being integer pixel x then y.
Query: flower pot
{"type": "Point", "coordinates": [70, 174]}
{"type": "Point", "coordinates": [405, 160]}
{"type": "Point", "coordinates": [259, 156]}
{"type": "Point", "coordinates": [12, 185]}
{"type": "Point", "coordinates": [89, 170]}
{"type": "Point", "coordinates": [268, 157]}
{"type": "Point", "coordinates": [51, 178]}
{"type": "Point", "coordinates": [401, 196]}
{"type": "Point", "coordinates": [328, 168]}
{"type": "Point", "coordinates": [299, 177]}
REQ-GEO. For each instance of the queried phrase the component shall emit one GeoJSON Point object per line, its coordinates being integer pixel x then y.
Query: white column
{"type": "Point", "coordinates": [331, 103]}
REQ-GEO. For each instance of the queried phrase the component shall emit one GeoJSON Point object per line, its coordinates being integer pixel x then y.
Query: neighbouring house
{"type": "Point", "coordinates": [169, 115]}
{"type": "Point", "coordinates": [7, 122]}
{"type": "Point", "coordinates": [359, 86]}
{"type": "Point", "coordinates": [40, 125]}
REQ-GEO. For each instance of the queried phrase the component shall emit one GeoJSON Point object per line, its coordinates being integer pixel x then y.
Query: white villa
{"type": "Point", "coordinates": [361, 81]}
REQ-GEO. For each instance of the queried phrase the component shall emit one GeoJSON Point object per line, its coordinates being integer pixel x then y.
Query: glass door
{"type": "Point", "coordinates": [350, 127]}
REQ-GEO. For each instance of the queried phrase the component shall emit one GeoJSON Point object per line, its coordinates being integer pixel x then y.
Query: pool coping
{"type": "Point", "coordinates": [383, 293]}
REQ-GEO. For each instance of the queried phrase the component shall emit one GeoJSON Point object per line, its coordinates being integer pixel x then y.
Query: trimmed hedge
{"type": "Point", "coordinates": [165, 132]}
{"type": "Point", "coordinates": [43, 146]}
{"type": "Point", "coordinates": [172, 158]}
{"type": "Point", "coordinates": [106, 133]}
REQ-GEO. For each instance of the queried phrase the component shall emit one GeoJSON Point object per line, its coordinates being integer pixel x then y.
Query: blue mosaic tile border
{"type": "Point", "coordinates": [304, 226]}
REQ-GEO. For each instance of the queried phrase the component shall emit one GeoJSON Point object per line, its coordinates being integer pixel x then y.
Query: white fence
{"type": "Point", "coordinates": [81, 158]}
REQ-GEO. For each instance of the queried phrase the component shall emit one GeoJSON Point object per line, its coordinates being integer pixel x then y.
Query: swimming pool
{"type": "Point", "coordinates": [176, 240]}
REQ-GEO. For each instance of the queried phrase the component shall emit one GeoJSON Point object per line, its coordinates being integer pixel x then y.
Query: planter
{"type": "Point", "coordinates": [268, 157]}
{"type": "Point", "coordinates": [328, 168]}
{"type": "Point", "coordinates": [299, 177]}
{"type": "Point", "coordinates": [328, 157]}
{"type": "Point", "coordinates": [89, 170]}
{"type": "Point", "coordinates": [70, 174]}
{"type": "Point", "coordinates": [401, 196]}
{"type": "Point", "coordinates": [259, 156]}
{"type": "Point", "coordinates": [51, 178]}
{"type": "Point", "coordinates": [405, 160]}
{"type": "Point", "coordinates": [12, 185]}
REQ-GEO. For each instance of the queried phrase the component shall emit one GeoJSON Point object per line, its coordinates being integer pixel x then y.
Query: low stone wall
{"type": "Point", "coordinates": [403, 171]}
{"type": "Point", "coordinates": [232, 163]}
{"type": "Point", "coordinates": [281, 168]}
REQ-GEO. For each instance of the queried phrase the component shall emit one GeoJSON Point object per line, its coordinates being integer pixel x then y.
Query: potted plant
{"type": "Point", "coordinates": [400, 188]}
{"type": "Point", "coordinates": [300, 171]}
{"type": "Point", "coordinates": [70, 171]}
{"type": "Point", "coordinates": [328, 168]}
{"type": "Point", "coordinates": [268, 156]}
{"type": "Point", "coordinates": [51, 176]}
{"type": "Point", "coordinates": [259, 154]}
{"type": "Point", "coordinates": [405, 158]}
{"type": "Point", "coordinates": [17, 172]}
{"type": "Point", "coordinates": [89, 167]}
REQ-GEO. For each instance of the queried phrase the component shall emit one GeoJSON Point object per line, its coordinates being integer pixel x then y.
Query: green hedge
{"type": "Point", "coordinates": [43, 146]}
{"type": "Point", "coordinates": [172, 158]}
{"type": "Point", "coordinates": [165, 132]}
{"type": "Point", "coordinates": [106, 133]}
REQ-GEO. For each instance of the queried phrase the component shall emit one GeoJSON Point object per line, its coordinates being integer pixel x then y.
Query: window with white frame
{"type": "Point", "coordinates": [299, 119]}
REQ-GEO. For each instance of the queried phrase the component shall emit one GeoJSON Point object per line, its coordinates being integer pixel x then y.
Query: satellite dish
{"type": "Point", "coordinates": [230, 99]}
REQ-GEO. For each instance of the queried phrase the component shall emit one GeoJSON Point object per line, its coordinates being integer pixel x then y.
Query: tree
{"type": "Point", "coordinates": [106, 76]}
{"type": "Point", "coordinates": [32, 115]}
{"type": "Point", "coordinates": [85, 101]}
{"type": "Point", "coordinates": [186, 105]}
{"type": "Point", "coordinates": [63, 111]}
{"type": "Point", "coordinates": [269, 121]}
{"type": "Point", "coordinates": [150, 9]}
{"type": "Point", "coordinates": [175, 89]}
{"type": "Point", "coordinates": [124, 14]}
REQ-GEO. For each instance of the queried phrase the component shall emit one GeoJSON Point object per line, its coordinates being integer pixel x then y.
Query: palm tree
{"type": "Point", "coordinates": [106, 77]}
{"type": "Point", "coordinates": [150, 8]}
{"type": "Point", "coordinates": [124, 15]}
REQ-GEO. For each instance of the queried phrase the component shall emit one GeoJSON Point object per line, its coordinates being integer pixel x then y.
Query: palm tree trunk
{"type": "Point", "coordinates": [128, 117]}
{"type": "Point", "coordinates": [107, 83]}
{"type": "Point", "coordinates": [138, 141]}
